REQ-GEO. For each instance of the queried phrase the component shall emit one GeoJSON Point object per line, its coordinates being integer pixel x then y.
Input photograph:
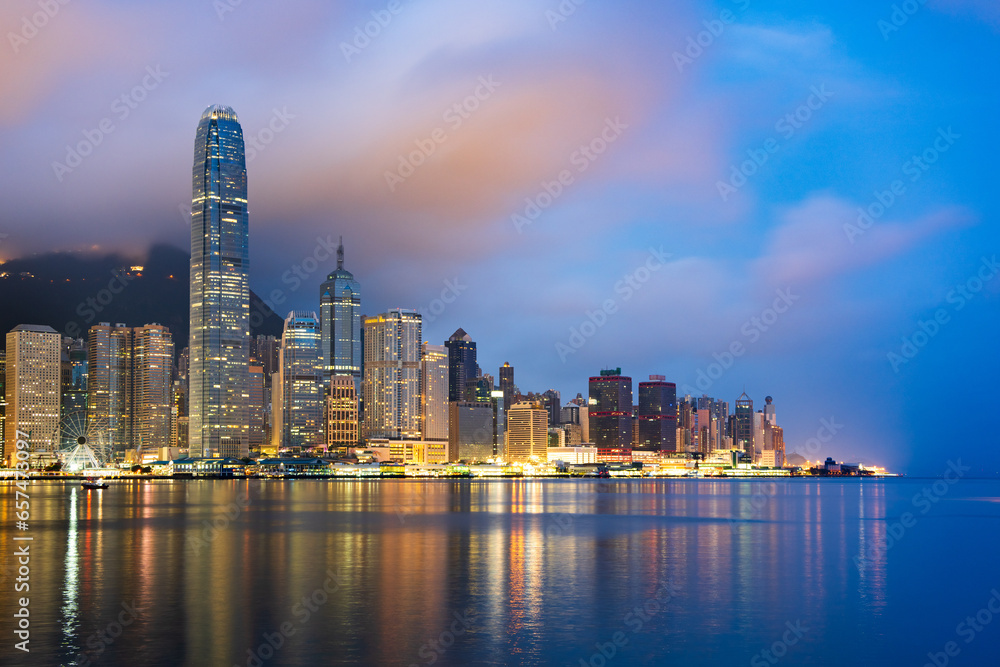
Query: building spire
{"type": "Point", "coordinates": [340, 254]}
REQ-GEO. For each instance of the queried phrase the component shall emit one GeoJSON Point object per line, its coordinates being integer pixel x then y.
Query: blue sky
{"type": "Point", "coordinates": [330, 122]}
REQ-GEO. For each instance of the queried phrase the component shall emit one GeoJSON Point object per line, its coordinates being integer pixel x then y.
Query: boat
{"type": "Point", "coordinates": [95, 484]}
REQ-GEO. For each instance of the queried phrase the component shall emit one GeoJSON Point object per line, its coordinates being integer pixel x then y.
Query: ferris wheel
{"type": "Point", "coordinates": [83, 443]}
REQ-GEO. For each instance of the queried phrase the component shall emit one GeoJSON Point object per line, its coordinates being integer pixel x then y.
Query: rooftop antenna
{"type": "Point", "coordinates": [340, 254]}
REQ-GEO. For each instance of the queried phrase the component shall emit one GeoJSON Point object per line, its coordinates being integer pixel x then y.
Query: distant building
{"type": "Point", "coordinates": [743, 436]}
{"type": "Point", "coordinates": [301, 379]}
{"type": "Point", "coordinates": [258, 408]}
{"type": "Point", "coordinates": [434, 375]}
{"type": "Point", "coordinates": [572, 455]}
{"type": "Point", "coordinates": [342, 419]}
{"type": "Point", "coordinates": [152, 371]}
{"type": "Point", "coordinates": [657, 416]}
{"type": "Point", "coordinates": [32, 381]}
{"type": "Point", "coordinates": [553, 403]}
{"type": "Point", "coordinates": [109, 382]}
{"type": "Point", "coordinates": [462, 366]}
{"type": "Point", "coordinates": [392, 396]}
{"type": "Point", "coordinates": [470, 431]}
{"type": "Point", "coordinates": [611, 410]}
{"type": "Point", "coordinates": [220, 288]}
{"type": "Point", "coordinates": [3, 404]}
{"type": "Point", "coordinates": [506, 383]}
{"type": "Point", "coordinates": [527, 432]}
{"type": "Point", "coordinates": [340, 324]}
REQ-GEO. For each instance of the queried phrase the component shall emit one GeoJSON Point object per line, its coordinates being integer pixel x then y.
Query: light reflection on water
{"type": "Point", "coordinates": [542, 571]}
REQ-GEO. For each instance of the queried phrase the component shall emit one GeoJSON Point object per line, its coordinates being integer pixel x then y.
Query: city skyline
{"type": "Point", "coordinates": [816, 308]}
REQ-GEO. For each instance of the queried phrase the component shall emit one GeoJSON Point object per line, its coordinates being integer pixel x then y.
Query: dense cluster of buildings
{"type": "Point", "coordinates": [335, 382]}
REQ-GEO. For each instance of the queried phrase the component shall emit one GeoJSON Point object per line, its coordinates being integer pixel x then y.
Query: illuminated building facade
{"type": "Point", "coordinates": [220, 289]}
{"type": "Point", "coordinates": [3, 403]}
{"type": "Point", "coordinates": [302, 382]}
{"type": "Point", "coordinates": [506, 383]}
{"type": "Point", "coordinates": [470, 431]}
{"type": "Point", "coordinates": [434, 397]}
{"type": "Point", "coordinates": [32, 382]}
{"type": "Point", "coordinates": [461, 366]}
{"type": "Point", "coordinates": [340, 324]}
{"type": "Point", "coordinates": [527, 432]}
{"type": "Point", "coordinates": [392, 396]}
{"type": "Point", "coordinates": [342, 422]}
{"type": "Point", "coordinates": [743, 425]}
{"type": "Point", "coordinates": [152, 367]}
{"type": "Point", "coordinates": [109, 382]}
{"type": "Point", "coordinates": [610, 411]}
{"type": "Point", "coordinates": [257, 407]}
{"type": "Point", "coordinates": [657, 415]}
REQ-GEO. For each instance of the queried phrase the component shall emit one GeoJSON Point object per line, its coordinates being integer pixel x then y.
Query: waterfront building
{"type": "Point", "coordinates": [152, 370]}
{"type": "Point", "coordinates": [506, 384]}
{"type": "Point", "coordinates": [434, 397]}
{"type": "Point", "coordinates": [340, 324]}
{"type": "Point", "coordinates": [743, 425]}
{"type": "Point", "coordinates": [220, 291]}
{"type": "Point", "coordinates": [392, 396]}
{"type": "Point", "coordinates": [657, 415]}
{"type": "Point", "coordinates": [301, 379]}
{"type": "Point", "coordinates": [32, 379]}
{"type": "Point", "coordinates": [611, 410]}
{"type": "Point", "coordinates": [527, 432]}
{"type": "Point", "coordinates": [462, 366]}
{"type": "Point", "coordinates": [470, 431]}
{"type": "Point", "coordinates": [109, 382]}
{"type": "Point", "coordinates": [342, 421]}
{"type": "Point", "coordinates": [258, 407]}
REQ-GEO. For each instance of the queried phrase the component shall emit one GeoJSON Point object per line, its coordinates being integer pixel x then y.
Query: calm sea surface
{"type": "Point", "coordinates": [512, 572]}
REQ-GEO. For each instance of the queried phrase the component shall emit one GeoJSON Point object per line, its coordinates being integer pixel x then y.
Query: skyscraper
{"type": "Point", "coordinates": [506, 382]}
{"type": "Point", "coordinates": [220, 289]}
{"type": "Point", "coordinates": [657, 415]}
{"type": "Point", "coordinates": [743, 437]}
{"type": "Point", "coordinates": [152, 367]}
{"type": "Point", "coordinates": [3, 403]}
{"type": "Point", "coordinates": [434, 375]}
{"type": "Point", "coordinates": [461, 365]}
{"type": "Point", "coordinates": [302, 383]}
{"type": "Point", "coordinates": [341, 413]}
{"type": "Point", "coordinates": [340, 324]}
{"type": "Point", "coordinates": [527, 432]}
{"type": "Point", "coordinates": [109, 382]}
{"type": "Point", "coordinates": [392, 375]}
{"type": "Point", "coordinates": [32, 388]}
{"type": "Point", "coordinates": [470, 431]}
{"type": "Point", "coordinates": [610, 411]}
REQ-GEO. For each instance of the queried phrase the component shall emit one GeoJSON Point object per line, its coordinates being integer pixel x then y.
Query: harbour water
{"type": "Point", "coordinates": [507, 572]}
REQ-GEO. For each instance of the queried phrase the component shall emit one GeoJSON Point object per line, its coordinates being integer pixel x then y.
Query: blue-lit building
{"type": "Point", "coordinates": [302, 383]}
{"type": "Point", "coordinates": [220, 290]}
{"type": "Point", "coordinates": [341, 351]}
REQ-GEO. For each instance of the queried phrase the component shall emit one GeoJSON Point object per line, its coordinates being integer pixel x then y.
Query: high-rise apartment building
{"type": "Point", "coordinates": [657, 415]}
{"type": "Point", "coordinates": [32, 382]}
{"type": "Point", "coordinates": [152, 370]}
{"type": "Point", "coordinates": [610, 411]}
{"type": "Point", "coordinates": [470, 431]}
{"type": "Point", "coordinates": [302, 381]}
{"type": "Point", "coordinates": [527, 432]}
{"type": "Point", "coordinates": [342, 421]}
{"type": "Point", "coordinates": [220, 289]}
{"type": "Point", "coordinates": [434, 397]}
{"type": "Point", "coordinates": [340, 324]}
{"type": "Point", "coordinates": [109, 382]}
{"type": "Point", "coordinates": [462, 366]}
{"type": "Point", "coordinates": [392, 386]}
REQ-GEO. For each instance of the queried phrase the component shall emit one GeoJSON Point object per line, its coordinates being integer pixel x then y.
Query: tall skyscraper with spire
{"type": "Point", "coordinates": [340, 325]}
{"type": "Point", "coordinates": [220, 289]}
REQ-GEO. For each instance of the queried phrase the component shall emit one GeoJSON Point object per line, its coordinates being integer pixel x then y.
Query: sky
{"type": "Point", "coordinates": [790, 199]}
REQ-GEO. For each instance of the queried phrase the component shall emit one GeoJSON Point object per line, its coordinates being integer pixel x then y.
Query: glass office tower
{"type": "Point", "coordinates": [220, 289]}
{"type": "Point", "coordinates": [340, 324]}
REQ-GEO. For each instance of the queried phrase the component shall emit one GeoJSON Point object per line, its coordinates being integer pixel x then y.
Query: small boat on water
{"type": "Point", "coordinates": [95, 484]}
